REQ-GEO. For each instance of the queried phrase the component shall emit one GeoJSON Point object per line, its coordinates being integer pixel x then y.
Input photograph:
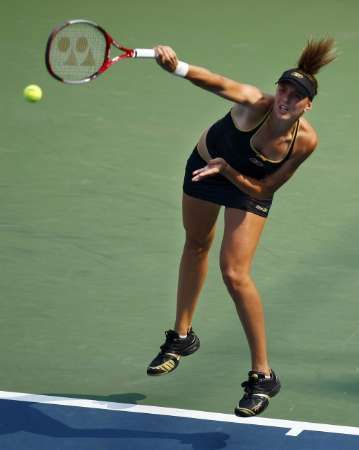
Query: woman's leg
{"type": "Point", "coordinates": [199, 219]}
{"type": "Point", "coordinates": [242, 231]}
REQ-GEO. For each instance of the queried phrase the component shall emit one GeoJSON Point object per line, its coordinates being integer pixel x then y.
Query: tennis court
{"type": "Point", "coordinates": [91, 235]}
{"type": "Point", "coordinates": [39, 422]}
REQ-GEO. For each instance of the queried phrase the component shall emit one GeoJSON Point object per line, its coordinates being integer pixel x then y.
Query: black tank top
{"type": "Point", "coordinates": [226, 141]}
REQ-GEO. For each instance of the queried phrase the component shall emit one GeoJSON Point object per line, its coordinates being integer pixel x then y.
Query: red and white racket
{"type": "Point", "coordinates": [79, 51]}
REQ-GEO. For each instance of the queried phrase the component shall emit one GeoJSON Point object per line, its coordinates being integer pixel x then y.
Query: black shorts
{"type": "Point", "coordinates": [217, 189]}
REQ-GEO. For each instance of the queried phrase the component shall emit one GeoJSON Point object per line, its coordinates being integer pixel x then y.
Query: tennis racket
{"type": "Point", "coordinates": [80, 50]}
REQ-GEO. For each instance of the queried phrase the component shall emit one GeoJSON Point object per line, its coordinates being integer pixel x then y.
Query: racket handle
{"type": "Point", "coordinates": [143, 53]}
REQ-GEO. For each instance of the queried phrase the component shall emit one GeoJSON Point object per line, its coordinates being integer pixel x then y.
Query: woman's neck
{"type": "Point", "coordinates": [280, 127]}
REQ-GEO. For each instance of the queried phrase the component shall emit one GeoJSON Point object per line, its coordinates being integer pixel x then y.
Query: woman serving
{"type": "Point", "coordinates": [239, 163]}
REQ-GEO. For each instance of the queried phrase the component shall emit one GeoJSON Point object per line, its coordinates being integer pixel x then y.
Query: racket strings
{"type": "Point", "coordinates": [77, 52]}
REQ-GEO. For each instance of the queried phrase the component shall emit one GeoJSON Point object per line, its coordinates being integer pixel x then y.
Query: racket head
{"type": "Point", "coordinates": [78, 51]}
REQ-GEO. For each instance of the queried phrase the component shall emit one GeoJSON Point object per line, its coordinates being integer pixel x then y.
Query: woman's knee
{"type": "Point", "coordinates": [235, 277]}
{"type": "Point", "coordinates": [198, 244]}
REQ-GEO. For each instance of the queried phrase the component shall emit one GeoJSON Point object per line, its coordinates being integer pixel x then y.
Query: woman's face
{"type": "Point", "coordinates": [289, 102]}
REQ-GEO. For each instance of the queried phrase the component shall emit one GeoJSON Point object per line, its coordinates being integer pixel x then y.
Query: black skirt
{"type": "Point", "coordinates": [217, 189]}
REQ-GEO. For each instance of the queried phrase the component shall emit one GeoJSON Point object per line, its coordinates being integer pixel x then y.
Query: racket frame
{"type": "Point", "coordinates": [107, 62]}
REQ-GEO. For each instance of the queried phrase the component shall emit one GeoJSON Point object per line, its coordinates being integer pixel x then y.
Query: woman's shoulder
{"type": "Point", "coordinates": [247, 116]}
{"type": "Point", "coordinates": [260, 106]}
{"type": "Point", "coordinates": [307, 137]}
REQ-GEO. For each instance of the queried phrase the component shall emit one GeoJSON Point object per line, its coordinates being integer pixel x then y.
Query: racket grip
{"type": "Point", "coordinates": [144, 53]}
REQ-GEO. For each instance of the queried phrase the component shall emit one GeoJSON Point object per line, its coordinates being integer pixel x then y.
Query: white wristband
{"type": "Point", "coordinates": [181, 69]}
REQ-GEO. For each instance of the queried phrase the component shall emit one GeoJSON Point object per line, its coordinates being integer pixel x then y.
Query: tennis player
{"type": "Point", "coordinates": [239, 163]}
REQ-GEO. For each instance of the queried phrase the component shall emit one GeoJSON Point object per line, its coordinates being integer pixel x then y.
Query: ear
{"type": "Point", "coordinates": [308, 107]}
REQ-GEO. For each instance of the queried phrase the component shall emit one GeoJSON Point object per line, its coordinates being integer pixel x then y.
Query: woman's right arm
{"type": "Point", "coordinates": [224, 87]}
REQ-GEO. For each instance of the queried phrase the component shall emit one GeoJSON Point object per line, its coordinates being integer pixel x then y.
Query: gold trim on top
{"type": "Point", "coordinates": [290, 146]}
{"type": "Point", "coordinates": [206, 156]}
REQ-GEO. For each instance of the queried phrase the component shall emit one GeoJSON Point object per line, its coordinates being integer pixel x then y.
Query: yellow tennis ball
{"type": "Point", "coordinates": [33, 93]}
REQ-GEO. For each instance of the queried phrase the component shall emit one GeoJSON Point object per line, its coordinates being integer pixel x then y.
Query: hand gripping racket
{"type": "Point", "coordinates": [79, 51]}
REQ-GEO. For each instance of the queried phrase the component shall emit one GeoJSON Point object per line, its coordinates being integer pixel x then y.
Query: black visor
{"type": "Point", "coordinates": [300, 80]}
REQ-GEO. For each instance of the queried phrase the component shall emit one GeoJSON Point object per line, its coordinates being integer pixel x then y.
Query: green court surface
{"type": "Point", "coordinates": [90, 217]}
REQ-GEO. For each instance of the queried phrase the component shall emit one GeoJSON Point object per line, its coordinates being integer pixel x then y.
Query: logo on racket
{"type": "Point", "coordinates": [76, 52]}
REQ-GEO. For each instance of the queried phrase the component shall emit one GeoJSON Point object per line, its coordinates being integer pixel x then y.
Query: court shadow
{"type": "Point", "coordinates": [17, 416]}
{"type": "Point", "coordinates": [130, 397]}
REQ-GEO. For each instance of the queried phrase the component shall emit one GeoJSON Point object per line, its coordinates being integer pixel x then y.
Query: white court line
{"type": "Point", "coordinates": [294, 427]}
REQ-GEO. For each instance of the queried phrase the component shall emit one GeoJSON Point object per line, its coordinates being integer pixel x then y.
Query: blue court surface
{"type": "Point", "coordinates": [38, 422]}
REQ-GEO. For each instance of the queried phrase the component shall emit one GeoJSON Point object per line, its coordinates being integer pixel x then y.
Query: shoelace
{"type": "Point", "coordinates": [168, 345]}
{"type": "Point", "coordinates": [248, 386]}
{"type": "Point", "coordinates": [251, 385]}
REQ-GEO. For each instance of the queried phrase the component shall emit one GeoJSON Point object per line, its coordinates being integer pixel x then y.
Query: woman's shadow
{"type": "Point", "coordinates": [17, 416]}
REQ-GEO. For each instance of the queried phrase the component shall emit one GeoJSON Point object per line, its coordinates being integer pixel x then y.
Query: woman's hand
{"type": "Point", "coordinates": [166, 58]}
{"type": "Point", "coordinates": [214, 167]}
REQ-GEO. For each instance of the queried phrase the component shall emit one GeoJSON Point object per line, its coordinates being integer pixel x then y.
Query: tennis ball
{"type": "Point", "coordinates": [33, 93]}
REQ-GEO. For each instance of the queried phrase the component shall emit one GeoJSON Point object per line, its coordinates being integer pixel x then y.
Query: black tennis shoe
{"type": "Point", "coordinates": [258, 391]}
{"type": "Point", "coordinates": [171, 351]}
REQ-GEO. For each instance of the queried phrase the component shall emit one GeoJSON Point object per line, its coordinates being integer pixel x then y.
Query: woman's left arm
{"type": "Point", "coordinates": [262, 189]}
